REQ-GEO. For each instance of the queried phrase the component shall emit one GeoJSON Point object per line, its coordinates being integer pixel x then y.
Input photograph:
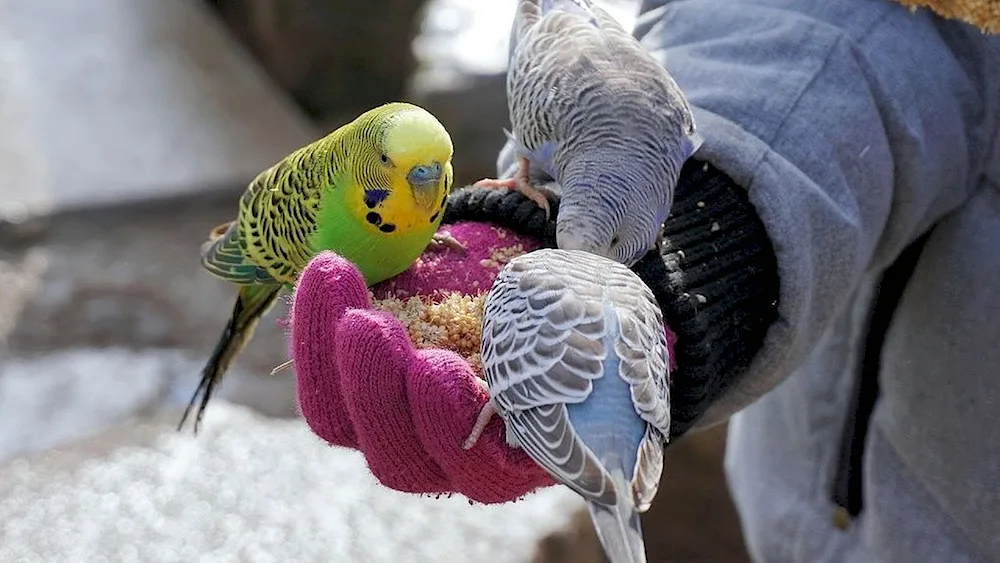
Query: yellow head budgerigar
{"type": "Point", "coordinates": [373, 191]}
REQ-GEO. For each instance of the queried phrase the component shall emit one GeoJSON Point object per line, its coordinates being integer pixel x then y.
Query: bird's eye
{"type": "Point", "coordinates": [385, 158]}
{"type": "Point", "coordinates": [614, 241]}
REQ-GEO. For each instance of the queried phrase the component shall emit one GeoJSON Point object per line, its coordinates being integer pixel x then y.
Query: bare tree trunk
{"type": "Point", "coordinates": [337, 58]}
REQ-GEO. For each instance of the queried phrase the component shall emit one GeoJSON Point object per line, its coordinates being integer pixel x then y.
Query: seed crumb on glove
{"type": "Point", "coordinates": [440, 298]}
{"type": "Point", "coordinates": [452, 323]}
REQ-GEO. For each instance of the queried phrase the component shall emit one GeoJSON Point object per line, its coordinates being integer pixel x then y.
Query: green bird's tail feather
{"type": "Point", "coordinates": [252, 303]}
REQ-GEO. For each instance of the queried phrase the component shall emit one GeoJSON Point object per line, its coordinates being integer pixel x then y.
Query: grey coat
{"type": "Point", "coordinates": [856, 126]}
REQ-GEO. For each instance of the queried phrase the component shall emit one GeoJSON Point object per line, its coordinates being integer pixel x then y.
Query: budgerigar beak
{"type": "Point", "coordinates": [425, 183]}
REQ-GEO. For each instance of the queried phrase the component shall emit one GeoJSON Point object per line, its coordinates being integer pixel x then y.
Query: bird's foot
{"type": "Point", "coordinates": [282, 366]}
{"type": "Point", "coordinates": [535, 195]}
{"type": "Point", "coordinates": [219, 230]}
{"type": "Point", "coordinates": [520, 184]}
{"type": "Point", "coordinates": [445, 240]}
{"type": "Point", "coordinates": [487, 412]}
{"type": "Point", "coordinates": [496, 183]}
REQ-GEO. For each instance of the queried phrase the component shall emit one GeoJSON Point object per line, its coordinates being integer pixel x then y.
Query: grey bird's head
{"type": "Point", "coordinates": [616, 207]}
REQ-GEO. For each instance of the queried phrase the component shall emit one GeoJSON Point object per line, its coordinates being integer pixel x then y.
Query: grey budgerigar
{"type": "Point", "coordinates": [593, 110]}
{"type": "Point", "coordinates": [575, 355]}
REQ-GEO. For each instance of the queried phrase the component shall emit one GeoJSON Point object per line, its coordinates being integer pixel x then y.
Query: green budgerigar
{"type": "Point", "coordinates": [373, 191]}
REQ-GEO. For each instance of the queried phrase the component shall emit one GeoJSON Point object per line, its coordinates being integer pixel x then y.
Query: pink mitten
{"type": "Point", "coordinates": [363, 385]}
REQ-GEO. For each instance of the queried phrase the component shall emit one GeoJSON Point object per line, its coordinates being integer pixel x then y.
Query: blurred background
{"type": "Point", "coordinates": [128, 128]}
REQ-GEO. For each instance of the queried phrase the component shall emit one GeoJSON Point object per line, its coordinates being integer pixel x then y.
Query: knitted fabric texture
{"type": "Point", "coordinates": [714, 276]}
{"type": "Point", "coordinates": [361, 384]}
{"type": "Point", "coordinates": [716, 279]}
{"type": "Point", "coordinates": [436, 274]}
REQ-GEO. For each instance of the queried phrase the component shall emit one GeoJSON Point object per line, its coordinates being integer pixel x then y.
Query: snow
{"type": "Point", "coordinates": [247, 488]}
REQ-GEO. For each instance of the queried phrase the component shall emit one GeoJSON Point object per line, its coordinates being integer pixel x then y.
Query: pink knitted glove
{"type": "Point", "coordinates": [362, 385]}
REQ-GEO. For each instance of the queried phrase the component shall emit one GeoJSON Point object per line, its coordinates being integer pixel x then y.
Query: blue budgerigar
{"type": "Point", "coordinates": [576, 362]}
{"type": "Point", "coordinates": [593, 110]}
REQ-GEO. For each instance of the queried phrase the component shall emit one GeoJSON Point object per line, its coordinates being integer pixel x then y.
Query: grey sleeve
{"type": "Point", "coordinates": [854, 125]}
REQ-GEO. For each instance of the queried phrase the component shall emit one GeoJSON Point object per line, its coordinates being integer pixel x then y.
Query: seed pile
{"type": "Point", "coordinates": [448, 318]}
{"type": "Point", "coordinates": [452, 323]}
{"type": "Point", "coordinates": [499, 257]}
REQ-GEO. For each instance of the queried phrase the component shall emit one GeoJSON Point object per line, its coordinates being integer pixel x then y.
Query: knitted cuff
{"type": "Point", "coordinates": [714, 276]}
{"type": "Point", "coordinates": [506, 208]}
{"type": "Point", "coordinates": [716, 279]}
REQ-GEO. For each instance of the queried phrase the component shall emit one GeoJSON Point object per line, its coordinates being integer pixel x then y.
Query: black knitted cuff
{"type": "Point", "coordinates": [507, 208]}
{"type": "Point", "coordinates": [715, 276]}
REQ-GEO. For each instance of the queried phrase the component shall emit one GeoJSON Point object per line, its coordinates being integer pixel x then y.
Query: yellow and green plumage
{"type": "Point", "coordinates": [373, 191]}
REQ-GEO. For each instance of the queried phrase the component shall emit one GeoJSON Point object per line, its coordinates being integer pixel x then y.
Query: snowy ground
{"type": "Point", "coordinates": [247, 489]}
{"type": "Point", "coordinates": [92, 469]}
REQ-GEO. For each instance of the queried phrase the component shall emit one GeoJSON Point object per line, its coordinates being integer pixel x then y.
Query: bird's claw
{"type": "Point", "coordinates": [487, 412]}
{"type": "Point", "coordinates": [496, 183]}
{"type": "Point", "coordinates": [445, 240]}
{"type": "Point", "coordinates": [219, 230]}
{"type": "Point", "coordinates": [519, 184]}
{"type": "Point", "coordinates": [536, 196]}
{"type": "Point", "coordinates": [282, 366]}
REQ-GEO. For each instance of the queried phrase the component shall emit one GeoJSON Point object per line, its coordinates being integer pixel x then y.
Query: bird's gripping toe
{"type": "Point", "coordinates": [520, 183]}
{"type": "Point", "coordinates": [445, 240]}
{"type": "Point", "coordinates": [485, 415]}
